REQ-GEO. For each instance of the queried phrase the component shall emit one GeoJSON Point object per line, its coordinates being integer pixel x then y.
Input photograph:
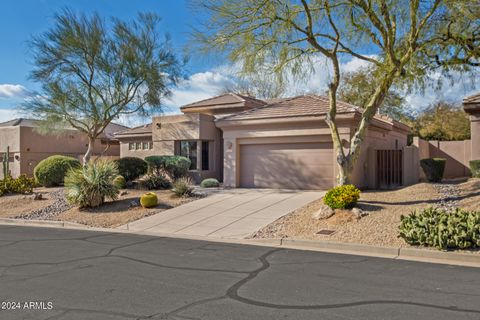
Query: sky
{"type": "Point", "coordinates": [22, 19]}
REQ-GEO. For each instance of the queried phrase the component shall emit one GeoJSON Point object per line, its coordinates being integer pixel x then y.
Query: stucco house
{"type": "Point", "coordinates": [284, 143]}
{"type": "Point", "coordinates": [28, 147]}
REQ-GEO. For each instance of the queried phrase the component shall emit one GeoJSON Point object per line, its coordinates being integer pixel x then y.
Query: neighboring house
{"type": "Point", "coordinates": [28, 147]}
{"type": "Point", "coordinates": [284, 143]}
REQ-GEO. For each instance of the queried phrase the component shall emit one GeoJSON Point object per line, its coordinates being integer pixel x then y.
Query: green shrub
{"type": "Point", "coordinates": [91, 185]}
{"type": "Point", "coordinates": [149, 200]}
{"type": "Point", "coordinates": [475, 168]}
{"type": "Point", "coordinates": [210, 183]}
{"type": "Point", "coordinates": [177, 166]}
{"type": "Point", "coordinates": [156, 164]}
{"type": "Point", "coordinates": [131, 168]}
{"type": "Point", "coordinates": [183, 187]}
{"type": "Point", "coordinates": [433, 168]}
{"type": "Point", "coordinates": [120, 182]}
{"type": "Point", "coordinates": [51, 171]}
{"type": "Point", "coordinates": [22, 184]}
{"type": "Point", "coordinates": [155, 182]}
{"type": "Point", "coordinates": [441, 229]}
{"type": "Point", "coordinates": [342, 197]}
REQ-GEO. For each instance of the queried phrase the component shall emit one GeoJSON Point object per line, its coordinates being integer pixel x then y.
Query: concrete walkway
{"type": "Point", "coordinates": [234, 213]}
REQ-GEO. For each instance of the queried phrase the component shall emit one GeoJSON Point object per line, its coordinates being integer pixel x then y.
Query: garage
{"type": "Point", "coordinates": [287, 165]}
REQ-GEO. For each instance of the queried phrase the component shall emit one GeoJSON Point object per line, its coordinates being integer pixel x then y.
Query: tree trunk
{"type": "Point", "coordinates": [88, 154]}
{"type": "Point", "coordinates": [346, 162]}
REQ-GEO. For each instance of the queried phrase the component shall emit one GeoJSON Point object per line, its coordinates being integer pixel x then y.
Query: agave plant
{"type": "Point", "coordinates": [91, 185]}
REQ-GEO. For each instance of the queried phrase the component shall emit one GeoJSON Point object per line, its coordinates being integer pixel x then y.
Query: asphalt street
{"type": "Point", "coordinates": [72, 274]}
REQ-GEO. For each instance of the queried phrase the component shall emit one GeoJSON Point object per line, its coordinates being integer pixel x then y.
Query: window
{"type": "Point", "coordinates": [150, 145]}
{"type": "Point", "coordinates": [205, 155]}
{"type": "Point", "coordinates": [131, 146]}
{"type": "Point", "coordinates": [145, 146]}
{"type": "Point", "coordinates": [188, 149]}
{"type": "Point", "coordinates": [138, 146]}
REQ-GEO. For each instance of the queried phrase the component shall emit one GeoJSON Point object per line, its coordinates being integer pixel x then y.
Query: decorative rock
{"type": "Point", "coordinates": [359, 213]}
{"type": "Point", "coordinates": [324, 212]}
{"type": "Point", "coordinates": [37, 196]}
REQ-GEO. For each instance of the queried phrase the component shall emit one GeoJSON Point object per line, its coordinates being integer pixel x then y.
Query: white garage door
{"type": "Point", "coordinates": [287, 165]}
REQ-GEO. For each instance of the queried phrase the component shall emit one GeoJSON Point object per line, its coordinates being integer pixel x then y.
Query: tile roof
{"type": "Point", "coordinates": [472, 99]}
{"type": "Point", "coordinates": [224, 99]}
{"type": "Point", "coordinates": [32, 123]}
{"type": "Point", "coordinates": [307, 105]}
{"type": "Point", "coordinates": [140, 130]}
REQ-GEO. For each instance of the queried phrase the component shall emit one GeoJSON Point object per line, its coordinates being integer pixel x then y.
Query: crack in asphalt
{"type": "Point", "coordinates": [232, 293]}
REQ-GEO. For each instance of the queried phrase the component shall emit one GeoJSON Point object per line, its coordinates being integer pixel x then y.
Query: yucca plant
{"type": "Point", "coordinates": [183, 187]}
{"type": "Point", "coordinates": [91, 185]}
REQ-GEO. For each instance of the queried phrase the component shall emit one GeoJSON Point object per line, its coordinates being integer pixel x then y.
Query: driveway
{"type": "Point", "coordinates": [234, 213]}
{"type": "Point", "coordinates": [94, 275]}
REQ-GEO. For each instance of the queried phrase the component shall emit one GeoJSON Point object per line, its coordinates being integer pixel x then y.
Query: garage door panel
{"type": "Point", "coordinates": [292, 166]}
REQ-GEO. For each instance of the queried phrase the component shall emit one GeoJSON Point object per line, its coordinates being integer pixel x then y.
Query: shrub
{"type": "Point", "coordinates": [51, 171]}
{"type": "Point", "coordinates": [433, 168]}
{"type": "Point", "coordinates": [342, 197]}
{"type": "Point", "coordinates": [156, 164]}
{"type": "Point", "coordinates": [131, 168]}
{"type": "Point", "coordinates": [210, 183]}
{"type": "Point", "coordinates": [183, 187]}
{"type": "Point", "coordinates": [149, 200]}
{"type": "Point", "coordinates": [120, 182]}
{"type": "Point", "coordinates": [155, 182]}
{"type": "Point", "coordinates": [90, 185]}
{"type": "Point", "coordinates": [22, 184]}
{"type": "Point", "coordinates": [475, 168]}
{"type": "Point", "coordinates": [177, 166]}
{"type": "Point", "coordinates": [441, 229]}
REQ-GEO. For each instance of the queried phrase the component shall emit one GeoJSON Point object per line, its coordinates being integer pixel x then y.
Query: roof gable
{"type": "Point", "coordinates": [225, 100]}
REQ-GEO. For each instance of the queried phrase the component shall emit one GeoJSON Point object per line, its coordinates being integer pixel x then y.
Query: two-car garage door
{"type": "Point", "coordinates": [287, 165]}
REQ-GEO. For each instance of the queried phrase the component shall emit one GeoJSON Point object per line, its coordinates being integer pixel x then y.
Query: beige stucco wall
{"type": "Point", "coordinates": [364, 174]}
{"type": "Point", "coordinates": [381, 135]}
{"type": "Point", "coordinates": [29, 147]}
{"type": "Point", "coordinates": [475, 136]}
{"type": "Point", "coordinates": [297, 131]}
{"type": "Point", "coordinates": [168, 131]}
{"type": "Point", "coordinates": [457, 154]}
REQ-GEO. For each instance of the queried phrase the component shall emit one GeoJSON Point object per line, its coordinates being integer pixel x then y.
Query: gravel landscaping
{"type": "Point", "coordinates": [53, 206]}
{"type": "Point", "coordinates": [384, 208]}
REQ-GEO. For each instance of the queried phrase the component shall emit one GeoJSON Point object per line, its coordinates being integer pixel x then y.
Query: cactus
{"type": "Point", "coordinates": [6, 163]}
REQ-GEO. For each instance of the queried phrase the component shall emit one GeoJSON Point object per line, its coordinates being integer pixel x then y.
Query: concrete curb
{"type": "Point", "coordinates": [411, 254]}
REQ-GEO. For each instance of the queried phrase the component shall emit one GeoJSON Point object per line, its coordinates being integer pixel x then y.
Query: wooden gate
{"type": "Point", "coordinates": [389, 169]}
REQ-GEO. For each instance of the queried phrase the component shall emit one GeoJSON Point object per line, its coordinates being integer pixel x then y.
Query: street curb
{"type": "Point", "coordinates": [342, 246]}
{"type": "Point", "coordinates": [410, 254]}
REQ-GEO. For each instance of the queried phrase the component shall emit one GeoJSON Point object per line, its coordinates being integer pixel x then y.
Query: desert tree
{"type": "Point", "coordinates": [261, 85]}
{"type": "Point", "coordinates": [356, 87]}
{"type": "Point", "coordinates": [93, 71]}
{"type": "Point", "coordinates": [400, 39]}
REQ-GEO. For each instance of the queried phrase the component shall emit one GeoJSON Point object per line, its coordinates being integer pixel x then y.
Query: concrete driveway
{"type": "Point", "coordinates": [234, 213]}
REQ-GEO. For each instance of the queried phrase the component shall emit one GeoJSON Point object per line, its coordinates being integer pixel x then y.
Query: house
{"type": "Point", "coordinates": [284, 143]}
{"type": "Point", "coordinates": [28, 147]}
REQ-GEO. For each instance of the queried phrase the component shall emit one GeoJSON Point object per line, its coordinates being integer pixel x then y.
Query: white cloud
{"type": "Point", "coordinates": [199, 86]}
{"type": "Point", "coordinates": [8, 114]}
{"type": "Point", "coordinates": [8, 91]}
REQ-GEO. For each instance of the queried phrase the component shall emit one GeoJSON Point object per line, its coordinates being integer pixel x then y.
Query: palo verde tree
{"type": "Point", "coordinates": [93, 72]}
{"type": "Point", "coordinates": [404, 39]}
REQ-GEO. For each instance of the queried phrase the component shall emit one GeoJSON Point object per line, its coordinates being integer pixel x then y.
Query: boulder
{"type": "Point", "coordinates": [359, 213]}
{"type": "Point", "coordinates": [37, 196]}
{"type": "Point", "coordinates": [324, 212]}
